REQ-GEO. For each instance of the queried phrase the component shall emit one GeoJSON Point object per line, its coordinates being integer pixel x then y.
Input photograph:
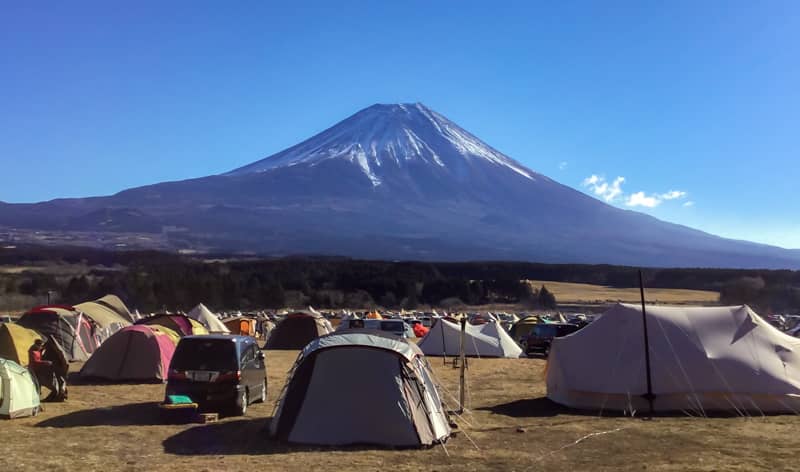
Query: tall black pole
{"type": "Point", "coordinates": [649, 395]}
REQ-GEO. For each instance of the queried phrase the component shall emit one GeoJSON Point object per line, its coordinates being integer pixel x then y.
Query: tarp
{"type": "Point", "coordinates": [361, 387]}
{"type": "Point", "coordinates": [15, 340]}
{"type": "Point", "coordinates": [485, 340]}
{"type": "Point", "coordinates": [701, 359]}
{"type": "Point", "coordinates": [135, 353]}
{"type": "Point", "coordinates": [208, 319]}
{"type": "Point", "coordinates": [19, 393]}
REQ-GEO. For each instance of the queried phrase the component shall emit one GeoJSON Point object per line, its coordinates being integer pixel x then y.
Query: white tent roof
{"type": "Point", "coordinates": [486, 340]}
{"type": "Point", "coordinates": [716, 358]}
{"type": "Point", "coordinates": [362, 338]}
{"type": "Point", "coordinates": [209, 320]}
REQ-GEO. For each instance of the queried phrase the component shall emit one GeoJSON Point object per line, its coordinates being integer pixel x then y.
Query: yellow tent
{"type": "Point", "coordinates": [174, 336]}
{"type": "Point", "coordinates": [15, 341]}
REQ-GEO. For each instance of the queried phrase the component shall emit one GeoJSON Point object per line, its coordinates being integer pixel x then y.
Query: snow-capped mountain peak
{"type": "Point", "coordinates": [384, 138]}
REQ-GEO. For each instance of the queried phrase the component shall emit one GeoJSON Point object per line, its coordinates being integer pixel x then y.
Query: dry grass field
{"type": "Point", "coordinates": [116, 427]}
{"type": "Point", "coordinates": [566, 292]}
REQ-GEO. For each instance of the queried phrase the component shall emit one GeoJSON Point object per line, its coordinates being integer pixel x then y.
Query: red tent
{"type": "Point", "coordinates": [419, 330]}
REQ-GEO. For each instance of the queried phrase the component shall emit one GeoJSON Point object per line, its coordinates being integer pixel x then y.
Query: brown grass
{"type": "Point", "coordinates": [566, 292]}
{"type": "Point", "coordinates": [116, 427]}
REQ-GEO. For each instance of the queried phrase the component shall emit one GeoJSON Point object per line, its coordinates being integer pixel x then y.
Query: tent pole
{"type": "Point", "coordinates": [649, 395]}
{"type": "Point", "coordinates": [444, 344]}
{"type": "Point", "coordinates": [463, 366]}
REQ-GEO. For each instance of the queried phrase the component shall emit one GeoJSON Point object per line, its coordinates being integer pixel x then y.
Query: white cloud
{"type": "Point", "coordinates": [673, 194]}
{"type": "Point", "coordinates": [562, 165]}
{"type": "Point", "coordinates": [640, 199]}
{"type": "Point", "coordinates": [600, 187]}
{"type": "Point", "coordinates": [612, 191]}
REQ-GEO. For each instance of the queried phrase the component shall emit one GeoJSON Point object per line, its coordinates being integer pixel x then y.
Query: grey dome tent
{"type": "Point", "coordinates": [361, 387]}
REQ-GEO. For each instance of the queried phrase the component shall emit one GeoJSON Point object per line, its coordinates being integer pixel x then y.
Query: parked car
{"type": "Point", "coordinates": [396, 327]}
{"type": "Point", "coordinates": [219, 372]}
{"type": "Point", "coordinates": [538, 339]}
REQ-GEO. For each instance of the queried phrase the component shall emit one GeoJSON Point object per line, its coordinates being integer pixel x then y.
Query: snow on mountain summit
{"type": "Point", "coordinates": [392, 136]}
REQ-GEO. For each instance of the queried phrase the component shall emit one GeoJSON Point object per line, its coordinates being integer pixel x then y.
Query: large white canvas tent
{"type": "Point", "coordinates": [209, 320]}
{"type": "Point", "coordinates": [361, 387]}
{"type": "Point", "coordinates": [19, 394]}
{"type": "Point", "coordinates": [486, 340]}
{"type": "Point", "coordinates": [701, 359]}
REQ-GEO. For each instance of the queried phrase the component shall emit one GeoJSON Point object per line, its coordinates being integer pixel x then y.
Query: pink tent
{"type": "Point", "coordinates": [134, 353]}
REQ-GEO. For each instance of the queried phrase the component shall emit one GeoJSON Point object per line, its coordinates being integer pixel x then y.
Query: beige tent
{"type": "Point", "coordinates": [701, 359]}
{"type": "Point", "coordinates": [208, 319]}
{"type": "Point", "coordinates": [108, 318]}
{"type": "Point", "coordinates": [114, 302]}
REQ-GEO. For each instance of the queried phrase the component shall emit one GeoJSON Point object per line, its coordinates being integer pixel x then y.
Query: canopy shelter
{"type": "Point", "coordinates": [701, 359]}
{"type": "Point", "coordinates": [19, 392]}
{"type": "Point", "coordinates": [74, 332]}
{"type": "Point", "coordinates": [15, 340]}
{"type": "Point", "coordinates": [361, 387]}
{"type": "Point", "coordinates": [208, 319]}
{"type": "Point", "coordinates": [134, 353]}
{"type": "Point", "coordinates": [485, 340]}
{"type": "Point", "coordinates": [181, 324]}
{"type": "Point", "coordinates": [298, 329]}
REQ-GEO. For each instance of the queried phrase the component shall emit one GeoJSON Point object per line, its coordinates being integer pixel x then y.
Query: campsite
{"type": "Point", "coordinates": [519, 412]}
{"type": "Point", "coordinates": [117, 427]}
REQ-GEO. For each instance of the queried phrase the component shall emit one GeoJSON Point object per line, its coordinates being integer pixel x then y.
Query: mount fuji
{"type": "Point", "coordinates": [395, 181]}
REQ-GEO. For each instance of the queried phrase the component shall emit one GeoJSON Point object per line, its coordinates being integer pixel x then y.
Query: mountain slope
{"type": "Point", "coordinates": [396, 182]}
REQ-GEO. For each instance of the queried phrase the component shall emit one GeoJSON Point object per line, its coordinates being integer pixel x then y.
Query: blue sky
{"type": "Point", "coordinates": [693, 97]}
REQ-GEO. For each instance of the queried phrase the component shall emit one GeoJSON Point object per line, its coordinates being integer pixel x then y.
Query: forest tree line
{"type": "Point", "coordinates": [154, 281]}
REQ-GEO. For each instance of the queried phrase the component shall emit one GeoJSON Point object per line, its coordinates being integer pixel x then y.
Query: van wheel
{"type": "Point", "coordinates": [263, 397]}
{"type": "Point", "coordinates": [241, 404]}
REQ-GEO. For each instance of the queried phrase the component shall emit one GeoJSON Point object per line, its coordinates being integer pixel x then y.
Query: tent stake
{"type": "Point", "coordinates": [649, 395]}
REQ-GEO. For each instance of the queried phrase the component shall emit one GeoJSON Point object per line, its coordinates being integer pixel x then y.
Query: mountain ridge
{"type": "Point", "coordinates": [394, 181]}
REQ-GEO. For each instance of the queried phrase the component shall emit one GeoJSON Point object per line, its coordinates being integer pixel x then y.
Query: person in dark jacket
{"type": "Point", "coordinates": [55, 355]}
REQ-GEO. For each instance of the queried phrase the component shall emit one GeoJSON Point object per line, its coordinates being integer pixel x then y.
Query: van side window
{"type": "Point", "coordinates": [248, 355]}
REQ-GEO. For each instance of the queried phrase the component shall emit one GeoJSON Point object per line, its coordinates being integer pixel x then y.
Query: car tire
{"type": "Point", "coordinates": [263, 397]}
{"type": "Point", "coordinates": [240, 407]}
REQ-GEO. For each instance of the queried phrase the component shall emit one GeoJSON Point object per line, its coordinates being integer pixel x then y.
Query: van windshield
{"type": "Point", "coordinates": [205, 354]}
